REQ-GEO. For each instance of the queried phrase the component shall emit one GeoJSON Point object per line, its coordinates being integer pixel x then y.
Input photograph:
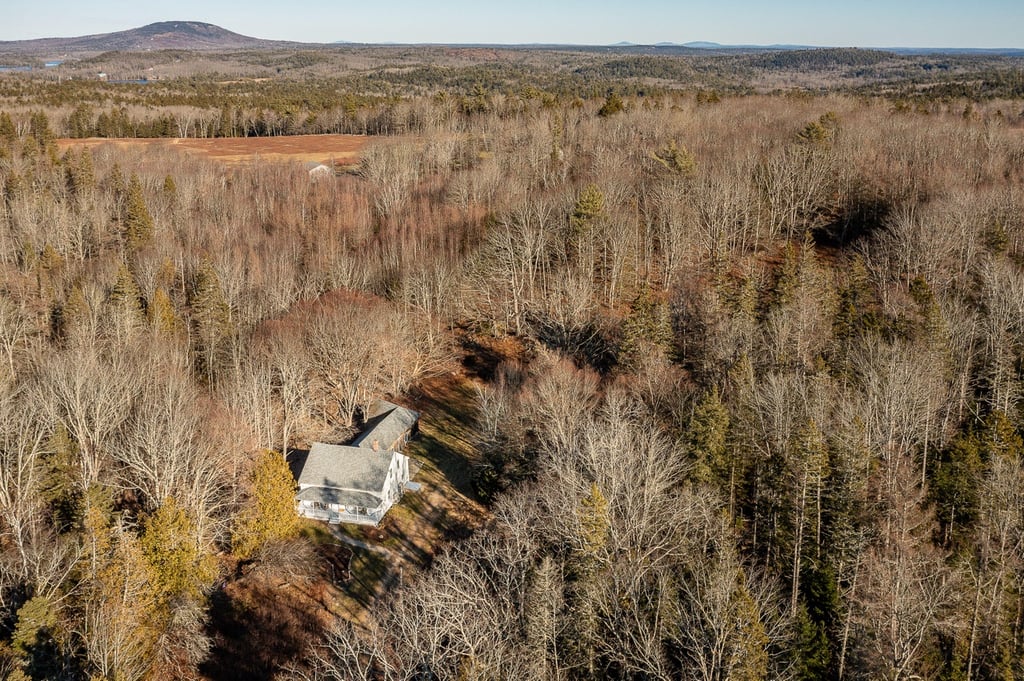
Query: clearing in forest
{"type": "Point", "coordinates": [337, 150]}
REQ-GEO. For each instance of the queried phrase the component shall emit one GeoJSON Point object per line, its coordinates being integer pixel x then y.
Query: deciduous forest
{"type": "Point", "coordinates": [720, 382]}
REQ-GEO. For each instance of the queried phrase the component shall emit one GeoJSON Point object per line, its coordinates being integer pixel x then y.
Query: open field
{"type": "Point", "coordinates": [339, 150]}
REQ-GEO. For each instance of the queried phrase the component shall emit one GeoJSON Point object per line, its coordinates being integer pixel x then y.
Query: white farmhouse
{"type": "Point", "coordinates": [358, 483]}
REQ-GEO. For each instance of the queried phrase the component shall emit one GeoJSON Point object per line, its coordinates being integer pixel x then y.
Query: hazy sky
{"type": "Point", "coordinates": [863, 23]}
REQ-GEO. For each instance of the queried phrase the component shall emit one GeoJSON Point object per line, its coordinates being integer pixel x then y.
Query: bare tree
{"type": "Point", "coordinates": [91, 391]}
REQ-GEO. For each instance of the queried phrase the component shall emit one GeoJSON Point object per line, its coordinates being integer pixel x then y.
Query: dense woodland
{"type": "Point", "coordinates": [758, 412]}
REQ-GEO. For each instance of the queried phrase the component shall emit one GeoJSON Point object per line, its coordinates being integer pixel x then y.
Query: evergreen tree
{"type": "Point", "coordinates": [589, 206]}
{"type": "Point", "coordinates": [932, 324]}
{"type": "Point", "coordinates": [612, 105]}
{"type": "Point", "coordinates": [80, 173]}
{"type": "Point", "coordinates": [647, 329]}
{"type": "Point", "coordinates": [707, 438]}
{"type": "Point", "coordinates": [170, 188]}
{"type": "Point", "coordinates": [75, 314]}
{"type": "Point", "coordinates": [36, 638]}
{"type": "Point", "coordinates": [80, 122]}
{"type": "Point", "coordinates": [270, 514]}
{"type": "Point", "coordinates": [161, 313]}
{"type": "Point", "coordinates": [13, 186]}
{"type": "Point", "coordinates": [677, 160]}
{"type": "Point", "coordinates": [8, 133]}
{"type": "Point", "coordinates": [211, 318]}
{"type": "Point", "coordinates": [822, 132]}
{"type": "Point", "coordinates": [955, 479]}
{"type": "Point", "coordinates": [138, 224]}
{"type": "Point", "coordinates": [593, 540]}
{"type": "Point", "coordinates": [125, 292]}
{"type": "Point", "coordinates": [60, 489]}
{"type": "Point", "coordinates": [749, 655]}
{"type": "Point", "coordinates": [126, 303]}
{"type": "Point", "coordinates": [180, 567]}
{"type": "Point", "coordinates": [787, 279]}
{"type": "Point", "coordinates": [594, 524]}
{"type": "Point", "coordinates": [1001, 439]}
{"type": "Point", "coordinates": [118, 187]}
{"type": "Point", "coordinates": [40, 132]}
{"type": "Point", "coordinates": [811, 649]}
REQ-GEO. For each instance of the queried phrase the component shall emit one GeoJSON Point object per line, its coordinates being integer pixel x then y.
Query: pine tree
{"type": "Point", "coordinates": [933, 324]}
{"type": "Point", "coordinates": [118, 187]}
{"type": "Point", "coordinates": [811, 649]}
{"type": "Point", "coordinates": [49, 260]}
{"type": "Point", "coordinates": [34, 639]}
{"type": "Point", "coordinates": [125, 301]}
{"type": "Point", "coordinates": [647, 329]}
{"type": "Point", "coordinates": [1000, 439]}
{"type": "Point", "coordinates": [170, 188]}
{"type": "Point", "coordinates": [60, 489]}
{"type": "Point", "coordinates": [211, 318]}
{"type": "Point", "coordinates": [138, 224]}
{"type": "Point", "coordinates": [270, 514]}
{"type": "Point", "coordinates": [161, 313]}
{"type": "Point", "coordinates": [676, 160]}
{"type": "Point", "coordinates": [13, 187]}
{"type": "Point", "coordinates": [80, 122]}
{"type": "Point", "coordinates": [125, 293]}
{"type": "Point", "coordinates": [594, 523]}
{"type": "Point", "coordinates": [77, 316]}
{"type": "Point", "coordinates": [707, 437]}
{"type": "Point", "coordinates": [8, 133]}
{"type": "Point", "coordinates": [822, 132]}
{"type": "Point", "coordinates": [750, 640]}
{"type": "Point", "coordinates": [592, 513]}
{"type": "Point", "coordinates": [955, 482]}
{"type": "Point", "coordinates": [180, 566]}
{"type": "Point", "coordinates": [589, 206]}
{"type": "Point", "coordinates": [39, 130]}
{"type": "Point", "coordinates": [787, 280]}
{"type": "Point", "coordinates": [612, 105]}
{"type": "Point", "coordinates": [81, 173]}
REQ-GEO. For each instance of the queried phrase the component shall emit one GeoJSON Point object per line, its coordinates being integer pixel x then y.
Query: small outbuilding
{"type": "Point", "coordinates": [358, 483]}
{"type": "Point", "coordinates": [319, 171]}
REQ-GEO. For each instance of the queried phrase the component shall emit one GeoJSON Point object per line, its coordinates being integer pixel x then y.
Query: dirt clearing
{"type": "Point", "coordinates": [338, 150]}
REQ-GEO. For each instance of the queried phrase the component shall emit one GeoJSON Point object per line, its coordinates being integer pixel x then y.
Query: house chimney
{"type": "Point", "coordinates": [376, 445]}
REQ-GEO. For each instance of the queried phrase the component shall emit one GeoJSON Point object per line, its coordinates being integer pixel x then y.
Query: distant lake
{"type": "Point", "coordinates": [15, 68]}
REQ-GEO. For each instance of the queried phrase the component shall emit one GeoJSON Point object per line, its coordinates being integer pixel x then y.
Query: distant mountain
{"type": "Point", "coordinates": [700, 44]}
{"type": "Point", "coordinates": [965, 51]}
{"type": "Point", "coordinates": [164, 35]}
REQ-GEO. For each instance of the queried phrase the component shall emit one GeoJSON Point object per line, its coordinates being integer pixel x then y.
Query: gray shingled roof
{"type": "Point", "coordinates": [387, 423]}
{"type": "Point", "coordinates": [341, 466]}
{"type": "Point", "coordinates": [347, 498]}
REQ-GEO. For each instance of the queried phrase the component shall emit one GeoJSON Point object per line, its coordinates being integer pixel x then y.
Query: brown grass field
{"type": "Point", "coordinates": [339, 150]}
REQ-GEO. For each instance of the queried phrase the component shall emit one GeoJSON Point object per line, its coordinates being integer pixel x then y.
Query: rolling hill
{"type": "Point", "coordinates": [164, 35]}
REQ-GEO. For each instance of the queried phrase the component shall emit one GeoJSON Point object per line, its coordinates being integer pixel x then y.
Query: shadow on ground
{"type": "Point", "coordinates": [256, 632]}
